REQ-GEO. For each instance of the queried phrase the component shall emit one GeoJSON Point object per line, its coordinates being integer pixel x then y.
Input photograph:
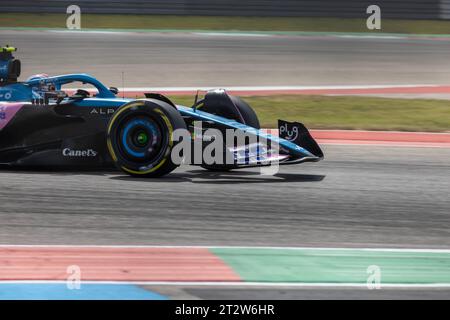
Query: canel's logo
{"type": "Point", "coordinates": [289, 134]}
{"type": "Point", "coordinates": [67, 152]}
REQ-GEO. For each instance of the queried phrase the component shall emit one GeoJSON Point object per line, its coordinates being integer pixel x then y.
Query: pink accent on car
{"type": "Point", "coordinates": [7, 112]}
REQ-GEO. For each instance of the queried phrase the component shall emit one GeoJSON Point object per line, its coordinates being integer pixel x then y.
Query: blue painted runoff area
{"type": "Point", "coordinates": [60, 291]}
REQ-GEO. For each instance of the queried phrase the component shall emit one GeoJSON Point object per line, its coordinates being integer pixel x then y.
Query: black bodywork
{"type": "Point", "coordinates": [56, 135]}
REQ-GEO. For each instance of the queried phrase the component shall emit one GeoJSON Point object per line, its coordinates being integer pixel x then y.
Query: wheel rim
{"type": "Point", "coordinates": [141, 139]}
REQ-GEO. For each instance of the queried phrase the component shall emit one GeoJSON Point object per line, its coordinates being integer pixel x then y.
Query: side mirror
{"type": "Point", "coordinates": [114, 90]}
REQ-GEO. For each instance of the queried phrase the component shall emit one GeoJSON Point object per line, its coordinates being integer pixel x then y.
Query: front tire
{"type": "Point", "coordinates": [139, 137]}
{"type": "Point", "coordinates": [246, 115]}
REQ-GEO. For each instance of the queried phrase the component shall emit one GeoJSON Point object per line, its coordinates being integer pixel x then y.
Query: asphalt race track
{"type": "Point", "coordinates": [307, 293]}
{"type": "Point", "coordinates": [156, 59]}
{"type": "Point", "coordinates": [360, 196]}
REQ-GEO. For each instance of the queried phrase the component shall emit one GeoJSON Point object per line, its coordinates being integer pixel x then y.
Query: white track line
{"type": "Point", "coordinates": [270, 88]}
{"type": "Point", "coordinates": [226, 247]}
{"type": "Point", "coordinates": [90, 32]}
{"type": "Point", "coordinates": [274, 88]}
{"type": "Point", "coordinates": [232, 34]}
{"type": "Point", "coordinates": [235, 284]}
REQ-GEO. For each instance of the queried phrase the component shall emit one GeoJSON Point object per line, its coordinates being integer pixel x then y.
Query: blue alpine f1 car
{"type": "Point", "coordinates": [41, 125]}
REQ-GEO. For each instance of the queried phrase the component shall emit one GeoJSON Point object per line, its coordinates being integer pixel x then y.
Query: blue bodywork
{"type": "Point", "coordinates": [34, 88]}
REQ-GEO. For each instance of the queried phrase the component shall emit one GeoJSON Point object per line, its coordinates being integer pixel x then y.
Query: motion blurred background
{"type": "Point", "coordinates": [276, 15]}
{"type": "Point", "coordinates": [398, 9]}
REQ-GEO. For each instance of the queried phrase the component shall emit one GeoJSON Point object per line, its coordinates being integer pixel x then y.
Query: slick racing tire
{"type": "Point", "coordinates": [248, 114]}
{"type": "Point", "coordinates": [249, 118]}
{"type": "Point", "coordinates": [139, 137]}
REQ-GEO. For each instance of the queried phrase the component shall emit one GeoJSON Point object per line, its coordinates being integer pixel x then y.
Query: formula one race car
{"type": "Point", "coordinates": [41, 125]}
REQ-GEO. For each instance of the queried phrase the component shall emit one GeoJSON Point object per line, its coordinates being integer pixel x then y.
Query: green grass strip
{"type": "Point", "coordinates": [170, 22]}
{"type": "Point", "coordinates": [336, 266]}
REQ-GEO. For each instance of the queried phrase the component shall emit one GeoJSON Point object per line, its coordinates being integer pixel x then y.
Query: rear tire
{"type": "Point", "coordinates": [139, 137]}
